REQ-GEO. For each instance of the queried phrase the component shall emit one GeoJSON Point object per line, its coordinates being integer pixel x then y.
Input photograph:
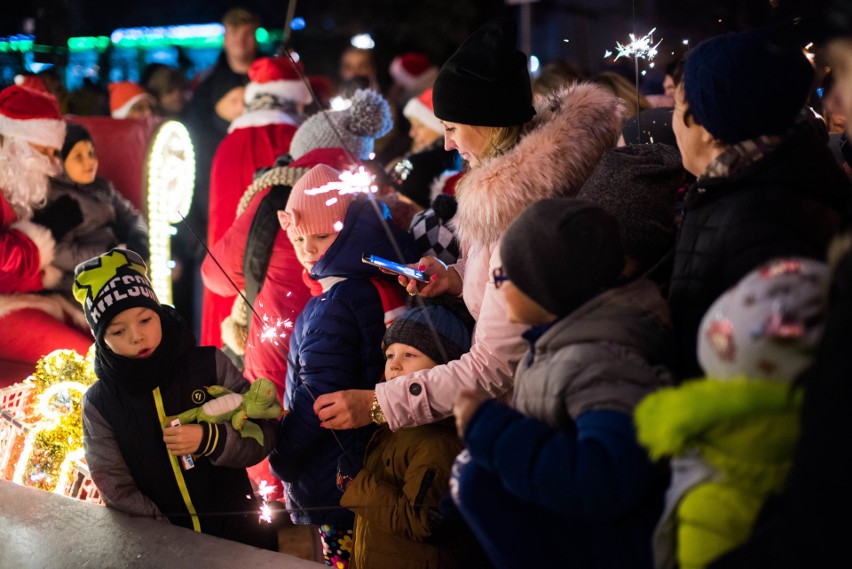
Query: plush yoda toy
{"type": "Point", "coordinates": [259, 402]}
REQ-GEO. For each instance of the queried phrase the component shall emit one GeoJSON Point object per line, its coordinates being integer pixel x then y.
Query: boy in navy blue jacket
{"type": "Point", "coordinates": [335, 344]}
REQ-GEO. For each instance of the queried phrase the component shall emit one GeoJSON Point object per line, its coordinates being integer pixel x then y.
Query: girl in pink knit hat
{"type": "Point", "coordinates": [335, 342]}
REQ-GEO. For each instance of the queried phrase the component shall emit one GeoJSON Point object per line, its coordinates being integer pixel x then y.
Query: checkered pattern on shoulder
{"type": "Point", "coordinates": [434, 238]}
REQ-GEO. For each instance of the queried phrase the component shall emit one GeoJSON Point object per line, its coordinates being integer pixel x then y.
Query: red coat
{"type": "Point", "coordinates": [20, 261]}
{"type": "Point", "coordinates": [240, 154]}
{"type": "Point", "coordinates": [31, 325]}
{"type": "Point", "coordinates": [283, 294]}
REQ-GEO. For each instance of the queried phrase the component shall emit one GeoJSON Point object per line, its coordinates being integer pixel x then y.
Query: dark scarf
{"type": "Point", "coordinates": [143, 375]}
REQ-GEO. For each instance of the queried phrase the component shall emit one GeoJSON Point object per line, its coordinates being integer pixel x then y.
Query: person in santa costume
{"type": "Point", "coordinates": [31, 324]}
{"type": "Point", "coordinates": [275, 99]}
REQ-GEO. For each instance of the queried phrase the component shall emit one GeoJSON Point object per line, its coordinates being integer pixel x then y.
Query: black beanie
{"type": "Point", "coordinates": [74, 133]}
{"type": "Point", "coordinates": [743, 85]}
{"type": "Point", "coordinates": [112, 283]}
{"type": "Point", "coordinates": [637, 184]}
{"type": "Point", "coordinates": [434, 330]}
{"type": "Point", "coordinates": [485, 82]}
{"type": "Point", "coordinates": [562, 252]}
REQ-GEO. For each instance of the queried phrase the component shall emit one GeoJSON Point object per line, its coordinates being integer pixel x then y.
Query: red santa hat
{"type": "Point", "coordinates": [279, 76]}
{"type": "Point", "coordinates": [413, 70]}
{"type": "Point", "coordinates": [31, 82]}
{"type": "Point", "coordinates": [421, 109]}
{"type": "Point", "coordinates": [123, 95]}
{"type": "Point", "coordinates": [32, 116]}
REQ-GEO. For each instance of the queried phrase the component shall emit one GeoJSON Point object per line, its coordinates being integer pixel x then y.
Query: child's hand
{"type": "Point", "coordinates": [467, 402]}
{"type": "Point", "coordinates": [442, 280]}
{"type": "Point", "coordinates": [183, 439]}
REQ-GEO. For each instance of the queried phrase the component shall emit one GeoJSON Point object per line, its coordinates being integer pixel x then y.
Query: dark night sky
{"type": "Point", "coordinates": [433, 26]}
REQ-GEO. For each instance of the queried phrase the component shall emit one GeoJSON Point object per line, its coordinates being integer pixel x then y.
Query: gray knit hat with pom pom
{"type": "Point", "coordinates": [355, 128]}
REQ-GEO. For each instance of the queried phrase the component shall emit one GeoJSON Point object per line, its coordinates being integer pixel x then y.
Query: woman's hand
{"type": "Point", "coordinates": [467, 402]}
{"type": "Point", "coordinates": [344, 409]}
{"type": "Point", "coordinates": [442, 280]}
{"type": "Point", "coordinates": [183, 439]}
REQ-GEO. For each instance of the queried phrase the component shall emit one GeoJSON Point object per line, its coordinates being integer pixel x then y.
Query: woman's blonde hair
{"type": "Point", "coordinates": [503, 138]}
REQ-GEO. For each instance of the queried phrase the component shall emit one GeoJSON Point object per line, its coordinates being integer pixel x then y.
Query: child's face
{"type": "Point", "coordinates": [311, 248]}
{"type": "Point", "coordinates": [81, 165]}
{"type": "Point", "coordinates": [402, 359]}
{"type": "Point", "coordinates": [134, 333]}
{"type": "Point", "coordinates": [522, 309]}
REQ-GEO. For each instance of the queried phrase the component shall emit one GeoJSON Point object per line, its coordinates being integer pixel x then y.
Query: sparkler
{"type": "Point", "coordinates": [637, 48]}
{"type": "Point", "coordinates": [271, 332]}
{"type": "Point", "coordinates": [358, 181]}
{"type": "Point", "coordinates": [264, 490]}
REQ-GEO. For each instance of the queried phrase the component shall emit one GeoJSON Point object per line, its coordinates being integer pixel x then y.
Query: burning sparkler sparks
{"type": "Point", "coordinates": [639, 48]}
{"type": "Point", "coordinates": [264, 490]}
{"type": "Point", "coordinates": [271, 332]}
{"type": "Point", "coordinates": [358, 181]}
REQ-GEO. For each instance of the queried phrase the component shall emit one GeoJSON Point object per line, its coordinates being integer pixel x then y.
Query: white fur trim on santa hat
{"type": "Point", "coordinates": [122, 111]}
{"type": "Point", "coordinates": [44, 132]}
{"type": "Point", "coordinates": [262, 117]}
{"type": "Point", "coordinates": [410, 81]}
{"type": "Point", "coordinates": [54, 305]}
{"type": "Point", "coordinates": [295, 91]}
{"type": "Point", "coordinates": [414, 108]}
{"type": "Point", "coordinates": [43, 239]}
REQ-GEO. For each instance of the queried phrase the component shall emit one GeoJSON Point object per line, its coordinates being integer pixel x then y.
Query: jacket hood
{"type": "Point", "coordinates": [365, 230]}
{"type": "Point", "coordinates": [571, 130]}
{"type": "Point", "coordinates": [635, 314]}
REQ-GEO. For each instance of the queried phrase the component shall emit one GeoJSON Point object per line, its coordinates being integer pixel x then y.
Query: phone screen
{"type": "Point", "coordinates": [398, 268]}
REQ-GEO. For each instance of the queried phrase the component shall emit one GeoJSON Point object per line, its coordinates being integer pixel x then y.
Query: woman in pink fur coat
{"type": "Point", "coordinates": [516, 155]}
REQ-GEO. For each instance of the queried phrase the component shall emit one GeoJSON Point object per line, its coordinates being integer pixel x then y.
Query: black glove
{"type": "Point", "coordinates": [347, 470]}
{"type": "Point", "coordinates": [59, 216]}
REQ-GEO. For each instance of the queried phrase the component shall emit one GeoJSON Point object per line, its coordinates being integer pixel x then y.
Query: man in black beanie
{"type": "Point", "coordinates": [767, 184]}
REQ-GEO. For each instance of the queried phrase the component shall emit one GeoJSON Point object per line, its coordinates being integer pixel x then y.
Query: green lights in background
{"type": "Point", "coordinates": [203, 36]}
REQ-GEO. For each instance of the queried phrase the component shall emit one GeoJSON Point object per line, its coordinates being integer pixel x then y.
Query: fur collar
{"type": "Point", "coordinates": [563, 144]}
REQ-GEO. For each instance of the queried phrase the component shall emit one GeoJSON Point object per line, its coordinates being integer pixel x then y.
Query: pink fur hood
{"type": "Point", "coordinates": [562, 145]}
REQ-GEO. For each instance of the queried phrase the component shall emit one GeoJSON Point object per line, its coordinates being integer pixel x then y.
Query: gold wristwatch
{"type": "Point", "coordinates": [376, 414]}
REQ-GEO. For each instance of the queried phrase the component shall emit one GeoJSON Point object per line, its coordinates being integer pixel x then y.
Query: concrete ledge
{"type": "Point", "coordinates": [41, 530]}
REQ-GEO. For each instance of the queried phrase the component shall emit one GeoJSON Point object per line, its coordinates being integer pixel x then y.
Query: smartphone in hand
{"type": "Point", "coordinates": [393, 267]}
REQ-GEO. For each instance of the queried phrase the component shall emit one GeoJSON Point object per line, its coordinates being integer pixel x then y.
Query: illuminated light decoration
{"type": "Point", "coordinates": [297, 24]}
{"type": "Point", "coordinates": [88, 43]}
{"type": "Point", "coordinates": [363, 41]}
{"type": "Point", "coordinates": [170, 178]}
{"type": "Point", "coordinates": [639, 48]}
{"type": "Point", "coordinates": [534, 64]}
{"type": "Point", "coordinates": [19, 43]}
{"type": "Point", "coordinates": [188, 36]}
{"type": "Point", "coordinates": [51, 439]}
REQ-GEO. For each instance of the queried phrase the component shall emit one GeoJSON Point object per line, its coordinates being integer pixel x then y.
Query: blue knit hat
{"type": "Point", "coordinates": [434, 330]}
{"type": "Point", "coordinates": [743, 85]}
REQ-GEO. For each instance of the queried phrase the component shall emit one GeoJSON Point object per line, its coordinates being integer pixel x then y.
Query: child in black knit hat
{"type": "Point", "coordinates": [86, 215]}
{"type": "Point", "coordinates": [395, 496]}
{"type": "Point", "coordinates": [150, 370]}
{"type": "Point", "coordinates": [561, 475]}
